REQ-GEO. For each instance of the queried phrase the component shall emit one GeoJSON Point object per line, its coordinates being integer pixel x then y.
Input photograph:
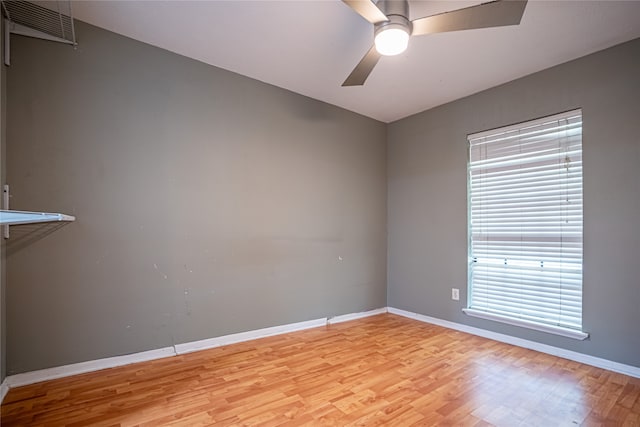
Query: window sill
{"type": "Point", "coordinates": [569, 333]}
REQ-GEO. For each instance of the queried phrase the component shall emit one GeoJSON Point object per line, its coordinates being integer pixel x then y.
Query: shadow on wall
{"type": "Point", "coordinates": [24, 235]}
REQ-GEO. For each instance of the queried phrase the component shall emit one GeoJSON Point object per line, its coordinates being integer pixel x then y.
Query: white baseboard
{"type": "Point", "coordinates": [247, 336]}
{"type": "Point", "coordinates": [4, 389]}
{"type": "Point", "coordinates": [354, 316]}
{"type": "Point", "coordinates": [598, 362]}
{"type": "Point", "coordinates": [33, 377]}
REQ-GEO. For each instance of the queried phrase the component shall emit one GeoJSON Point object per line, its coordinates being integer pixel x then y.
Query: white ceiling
{"type": "Point", "coordinates": [310, 47]}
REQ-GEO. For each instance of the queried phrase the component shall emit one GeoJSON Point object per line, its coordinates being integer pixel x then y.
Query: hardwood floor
{"type": "Point", "coordinates": [382, 370]}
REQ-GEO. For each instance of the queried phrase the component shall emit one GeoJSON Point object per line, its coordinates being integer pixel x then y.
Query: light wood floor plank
{"type": "Point", "coordinates": [383, 370]}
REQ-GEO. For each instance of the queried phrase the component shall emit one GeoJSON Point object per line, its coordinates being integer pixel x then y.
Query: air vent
{"type": "Point", "coordinates": [48, 20]}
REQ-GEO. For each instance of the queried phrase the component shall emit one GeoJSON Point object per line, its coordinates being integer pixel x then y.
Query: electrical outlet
{"type": "Point", "coordinates": [455, 294]}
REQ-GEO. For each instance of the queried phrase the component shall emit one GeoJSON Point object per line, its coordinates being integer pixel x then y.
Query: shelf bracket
{"type": "Point", "coordinates": [5, 206]}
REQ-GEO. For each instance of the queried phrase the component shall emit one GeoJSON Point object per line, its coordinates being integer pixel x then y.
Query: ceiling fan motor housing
{"type": "Point", "coordinates": [394, 7]}
{"type": "Point", "coordinates": [397, 11]}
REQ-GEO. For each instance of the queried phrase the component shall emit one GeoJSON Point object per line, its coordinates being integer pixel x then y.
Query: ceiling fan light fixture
{"type": "Point", "coordinates": [392, 37]}
{"type": "Point", "coordinates": [392, 41]}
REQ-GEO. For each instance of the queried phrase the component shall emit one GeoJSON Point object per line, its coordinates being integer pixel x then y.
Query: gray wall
{"type": "Point", "coordinates": [207, 203]}
{"type": "Point", "coordinates": [427, 201]}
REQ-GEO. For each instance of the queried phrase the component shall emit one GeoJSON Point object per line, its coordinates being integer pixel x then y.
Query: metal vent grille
{"type": "Point", "coordinates": [52, 18]}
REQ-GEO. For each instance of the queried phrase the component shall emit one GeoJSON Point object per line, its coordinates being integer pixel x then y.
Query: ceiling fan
{"type": "Point", "coordinates": [392, 28]}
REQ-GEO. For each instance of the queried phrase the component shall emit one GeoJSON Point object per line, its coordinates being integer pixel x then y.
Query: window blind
{"type": "Point", "coordinates": [525, 203]}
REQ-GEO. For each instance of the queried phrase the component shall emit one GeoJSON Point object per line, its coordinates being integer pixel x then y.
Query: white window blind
{"type": "Point", "coordinates": [525, 202]}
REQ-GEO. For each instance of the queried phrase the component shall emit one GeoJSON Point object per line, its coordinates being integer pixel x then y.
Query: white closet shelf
{"type": "Point", "coordinates": [8, 217]}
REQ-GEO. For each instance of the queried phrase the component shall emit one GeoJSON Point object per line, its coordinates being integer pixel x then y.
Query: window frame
{"type": "Point", "coordinates": [569, 332]}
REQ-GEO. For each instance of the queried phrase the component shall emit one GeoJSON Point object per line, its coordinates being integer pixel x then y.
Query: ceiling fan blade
{"type": "Point", "coordinates": [493, 14]}
{"type": "Point", "coordinates": [368, 10]}
{"type": "Point", "coordinates": [359, 74]}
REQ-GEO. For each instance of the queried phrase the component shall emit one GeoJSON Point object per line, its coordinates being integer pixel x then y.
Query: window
{"type": "Point", "coordinates": [525, 224]}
